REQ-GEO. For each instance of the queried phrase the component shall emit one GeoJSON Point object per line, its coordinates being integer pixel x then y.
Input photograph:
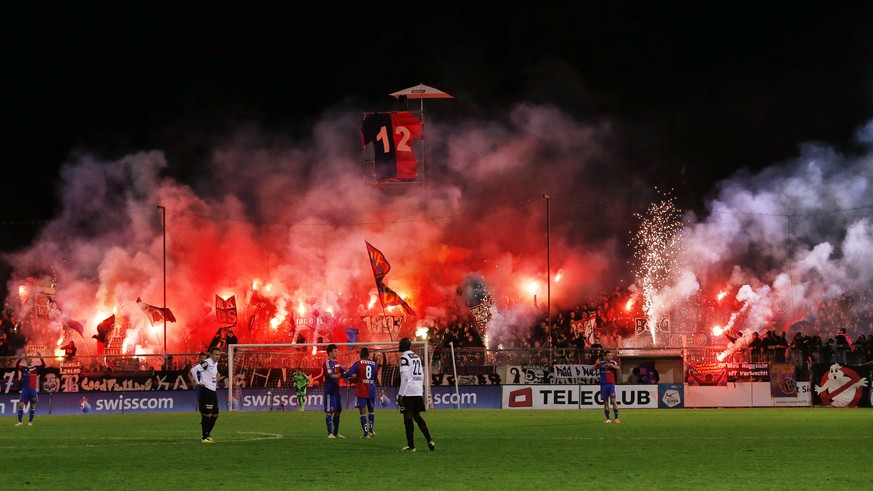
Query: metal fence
{"type": "Point", "coordinates": [443, 359]}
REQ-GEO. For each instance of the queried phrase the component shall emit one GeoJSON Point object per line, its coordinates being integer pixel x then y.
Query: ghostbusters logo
{"type": "Point", "coordinates": [841, 387]}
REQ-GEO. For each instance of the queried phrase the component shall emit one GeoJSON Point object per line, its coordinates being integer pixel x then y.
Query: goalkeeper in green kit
{"type": "Point", "coordinates": [301, 381]}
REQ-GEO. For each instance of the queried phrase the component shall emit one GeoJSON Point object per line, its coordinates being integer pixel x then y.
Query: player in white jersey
{"type": "Point", "coordinates": [205, 373]}
{"type": "Point", "coordinates": [410, 396]}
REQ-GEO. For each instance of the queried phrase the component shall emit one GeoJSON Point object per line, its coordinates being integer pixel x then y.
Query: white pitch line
{"type": "Point", "coordinates": [861, 437]}
{"type": "Point", "coordinates": [146, 441]}
{"type": "Point", "coordinates": [119, 441]}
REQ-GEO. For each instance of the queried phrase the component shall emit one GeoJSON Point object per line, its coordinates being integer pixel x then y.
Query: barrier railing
{"type": "Point", "coordinates": [112, 363]}
{"type": "Point", "coordinates": [441, 357]}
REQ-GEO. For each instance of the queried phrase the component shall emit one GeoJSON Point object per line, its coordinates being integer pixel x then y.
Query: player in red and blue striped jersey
{"type": "Point", "coordinates": [608, 369]}
{"type": "Point", "coordinates": [364, 373]}
{"type": "Point", "coordinates": [29, 383]}
{"type": "Point", "coordinates": [332, 371]}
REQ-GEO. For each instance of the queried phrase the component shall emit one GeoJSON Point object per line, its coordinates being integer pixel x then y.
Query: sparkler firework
{"type": "Point", "coordinates": [658, 249]}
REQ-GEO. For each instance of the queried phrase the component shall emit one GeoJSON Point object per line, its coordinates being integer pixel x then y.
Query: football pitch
{"type": "Point", "coordinates": [787, 448]}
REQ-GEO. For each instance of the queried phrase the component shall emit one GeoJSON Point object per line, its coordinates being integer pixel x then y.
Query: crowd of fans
{"type": "Point", "coordinates": [12, 338]}
{"type": "Point", "coordinates": [840, 330]}
{"type": "Point", "coordinates": [571, 335]}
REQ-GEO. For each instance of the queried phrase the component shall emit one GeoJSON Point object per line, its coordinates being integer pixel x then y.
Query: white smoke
{"type": "Point", "coordinates": [793, 235]}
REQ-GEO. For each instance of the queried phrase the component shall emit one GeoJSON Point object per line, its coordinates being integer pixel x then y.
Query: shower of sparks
{"type": "Point", "coordinates": [658, 247]}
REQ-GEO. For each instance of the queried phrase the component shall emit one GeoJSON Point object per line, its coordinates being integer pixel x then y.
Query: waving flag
{"type": "Point", "coordinates": [257, 301]}
{"type": "Point", "coordinates": [225, 310]}
{"type": "Point", "coordinates": [155, 314]}
{"type": "Point", "coordinates": [387, 296]}
{"type": "Point", "coordinates": [76, 326]}
{"type": "Point", "coordinates": [378, 262]}
{"type": "Point", "coordinates": [104, 329]}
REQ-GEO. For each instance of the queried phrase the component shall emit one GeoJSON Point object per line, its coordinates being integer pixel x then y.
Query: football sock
{"type": "Point", "coordinates": [410, 431]}
{"type": "Point", "coordinates": [328, 419]}
{"type": "Point", "coordinates": [364, 423]}
{"type": "Point", "coordinates": [372, 419]}
{"type": "Point", "coordinates": [426, 432]}
{"type": "Point", "coordinates": [606, 412]}
{"type": "Point", "coordinates": [20, 414]}
{"type": "Point", "coordinates": [204, 425]}
{"type": "Point", "coordinates": [422, 425]}
{"type": "Point", "coordinates": [616, 413]}
{"type": "Point", "coordinates": [212, 424]}
{"type": "Point", "coordinates": [31, 413]}
{"type": "Point", "coordinates": [336, 420]}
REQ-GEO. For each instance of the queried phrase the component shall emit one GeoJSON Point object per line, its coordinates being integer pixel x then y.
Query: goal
{"type": "Point", "coordinates": [260, 376]}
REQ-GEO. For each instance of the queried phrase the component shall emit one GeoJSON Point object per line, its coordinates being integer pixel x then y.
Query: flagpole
{"type": "Point", "coordinates": [379, 294]}
{"type": "Point", "coordinates": [549, 272]}
{"type": "Point", "coordinates": [390, 336]}
{"type": "Point", "coordinates": [164, 312]}
{"type": "Point", "coordinates": [384, 315]}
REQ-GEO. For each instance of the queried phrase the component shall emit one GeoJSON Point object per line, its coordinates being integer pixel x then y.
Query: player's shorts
{"type": "Point", "coordinates": [413, 405]}
{"type": "Point", "coordinates": [367, 402]}
{"type": "Point", "coordinates": [208, 401]}
{"type": "Point", "coordinates": [332, 403]}
{"type": "Point", "coordinates": [29, 394]}
{"type": "Point", "coordinates": [607, 391]}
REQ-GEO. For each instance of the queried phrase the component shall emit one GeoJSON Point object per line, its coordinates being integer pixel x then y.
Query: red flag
{"type": "Point", "coordinates": [389, 297]}
{"type": "Point", "coordinates": [258, 301]}
{"type": "Point", "coordinates": [225, 310]}
{"type": "Point", "coordinates": [378, 262]}
{"type": "Point", "coordinates": [104, 329]}
{"type": "Point", "coordinates": [76, 326]}
{"type": "Point", "coordinates": [107, 325]}
{"type": "Point", "coordinates": [155, 314]}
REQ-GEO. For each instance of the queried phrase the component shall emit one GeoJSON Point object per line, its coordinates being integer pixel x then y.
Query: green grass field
{"type": "Point", "coordinates": [809, 448]}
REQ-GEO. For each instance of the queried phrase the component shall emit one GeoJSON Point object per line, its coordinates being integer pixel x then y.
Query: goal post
{"type": "Point", "coordinates": [260, 376]}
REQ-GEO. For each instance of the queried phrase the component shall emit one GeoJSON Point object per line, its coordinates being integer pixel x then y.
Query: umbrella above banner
{"type": "Point", "coordinates": [422, 92]}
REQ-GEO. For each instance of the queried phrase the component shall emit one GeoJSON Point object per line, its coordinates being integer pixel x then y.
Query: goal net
{"type": "Point", "coordinates": [261, 376]}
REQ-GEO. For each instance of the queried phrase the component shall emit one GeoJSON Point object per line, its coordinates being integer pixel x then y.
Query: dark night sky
{"type": "Point", "coordinates": [242, 122]}
{"type": "Point", "coordinates": [698, 89]}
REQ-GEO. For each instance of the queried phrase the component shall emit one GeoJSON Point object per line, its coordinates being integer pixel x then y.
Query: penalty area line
{"type": "Point", "coordinates": [251, 436]}
{"type": "Point", "coordinates": [109, 441]}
